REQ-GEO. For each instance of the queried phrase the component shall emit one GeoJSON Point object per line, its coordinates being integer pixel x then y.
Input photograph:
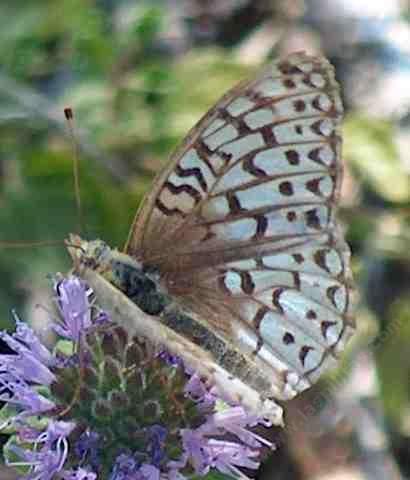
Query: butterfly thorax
{"type": "Point", "coordinates": [139, 283]}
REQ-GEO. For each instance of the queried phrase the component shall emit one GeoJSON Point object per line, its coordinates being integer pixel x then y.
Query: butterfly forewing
{"type": "Point", "coordinates": [241, 226]}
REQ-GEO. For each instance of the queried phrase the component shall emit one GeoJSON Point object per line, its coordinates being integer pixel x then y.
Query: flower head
{"type": "Point", "coordinates": [73, 302]}
{"type": "Point", "coordinates": [102, 406]}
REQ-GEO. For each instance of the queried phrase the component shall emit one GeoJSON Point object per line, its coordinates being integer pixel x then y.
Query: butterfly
{"type": "Point", "coordinates": [235, 260]}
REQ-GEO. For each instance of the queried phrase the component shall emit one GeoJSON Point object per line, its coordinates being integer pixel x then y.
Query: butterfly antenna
{"type": "Point", "coordinates": [69, 115]}
{"type": "Point", "coordinates": [44, 243]}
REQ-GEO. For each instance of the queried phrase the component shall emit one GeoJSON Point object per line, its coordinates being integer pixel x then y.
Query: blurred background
{"type": "Point", "coordinates": [138, 75]}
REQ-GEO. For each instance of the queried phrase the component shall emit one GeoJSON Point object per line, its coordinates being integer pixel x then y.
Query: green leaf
{"type": "Point", "coordinates": [11, 457]}
{"type": "Point", "coordinates": [371, 150]}
{"type": "Point", "coordinates": [6, 414]}
{"type": "Point", "coordinates": [65, 346]}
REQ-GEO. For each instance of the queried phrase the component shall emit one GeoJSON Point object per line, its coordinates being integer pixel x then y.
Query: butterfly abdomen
{"type": "Point", "coordinates": [222, 352]}
{"type": "Point", "coordinates": [144, 289]}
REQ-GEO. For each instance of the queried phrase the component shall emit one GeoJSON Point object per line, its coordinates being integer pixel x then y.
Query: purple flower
{"type": "Point", "coordinates": [27, 336]}
{"type": "Point", "coordinates": [128, 468]}
{"type": "Point", "coordinates": [204, 450]}
{"type": "Point", "coordinates": [110, 407]}
{"type": "Point", "coordinates": [237, 421]}
{"type": "Point", "coordinates": [17, 392]}
{"type": "Point", "coordinates": [32, 360]}
{"type": "Point", "coordinates": [198, 392]}
{"type": "Point", "coordinates": [79, 474]}
{"type": "Point", "coordinates": [155, 448]}
{"type": "Point", "coordinates": [171, 359]}
{"type": "Point", "coordinates": [228, 456]}
{"type": "Point", "coordinates": [50, 453]}
{"type": "Point", "coordinates": [73, 300]}
{"type": "Point", "coordinates": [148, 472]}
{"type": "Point", "coordinates": [87, 446]}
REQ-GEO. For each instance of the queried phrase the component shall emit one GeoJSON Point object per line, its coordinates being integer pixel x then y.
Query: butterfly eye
{"type": "Point", "coordinates": [90, 262]}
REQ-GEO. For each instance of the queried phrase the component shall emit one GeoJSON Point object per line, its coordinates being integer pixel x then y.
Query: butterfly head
{"type": "Point", "coordinates": [94, 254]}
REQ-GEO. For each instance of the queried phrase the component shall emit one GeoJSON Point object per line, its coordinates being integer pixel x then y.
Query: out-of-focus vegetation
{"type": "Point", "coordinates": [138, 75]}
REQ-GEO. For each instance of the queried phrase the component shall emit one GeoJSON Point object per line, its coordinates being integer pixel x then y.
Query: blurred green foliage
{"type": "Point", "coordinates": [372, 155]}
{"type": "Point", "coordinates": [130, 97]}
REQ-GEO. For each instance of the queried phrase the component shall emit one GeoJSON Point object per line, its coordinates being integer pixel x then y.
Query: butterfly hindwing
{"type": "Point", "coordinates": [241, 226]}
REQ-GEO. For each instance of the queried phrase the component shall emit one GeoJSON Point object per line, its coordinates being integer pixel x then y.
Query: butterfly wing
{"type": "Point", "coordinates": [241, 224]}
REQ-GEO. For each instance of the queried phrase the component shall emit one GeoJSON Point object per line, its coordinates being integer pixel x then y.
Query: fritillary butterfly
{"type": "Point", "coordinates": [235, 261]}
